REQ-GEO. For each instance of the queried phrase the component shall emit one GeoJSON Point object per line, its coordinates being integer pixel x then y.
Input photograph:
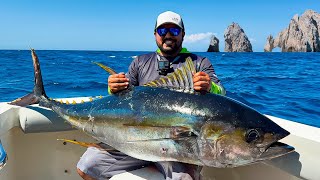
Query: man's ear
{"type": "Point", "coordinates": [183, 33]}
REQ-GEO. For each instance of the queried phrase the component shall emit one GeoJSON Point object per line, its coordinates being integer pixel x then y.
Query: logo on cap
{"type": "Point", "coordinates": [175, 19]}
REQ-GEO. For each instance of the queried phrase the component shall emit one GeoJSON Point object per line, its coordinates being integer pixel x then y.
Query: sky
{"type": "Point", "coordinates": [127, 25]}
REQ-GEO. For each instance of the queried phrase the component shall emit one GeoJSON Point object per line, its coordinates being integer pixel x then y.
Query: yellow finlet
{"type": "Point", "coordinates": [90, 99]}
{"type": "Point", "coordinates": [82, 101]}
{"type": "Point", "coordinates": [67, 102]}
{"type": "Point", "coordinates": [74, 102]}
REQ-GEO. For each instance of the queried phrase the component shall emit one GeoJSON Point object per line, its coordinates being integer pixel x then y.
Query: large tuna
{"type": "Point", "coordinates": [157, 124]}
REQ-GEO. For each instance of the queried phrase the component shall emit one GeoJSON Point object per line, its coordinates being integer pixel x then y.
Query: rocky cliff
{"type": "Point", "coordinates": [214, 44]}
{"type": "Point", "coordinates": [270, 44]}
{"type": "Point", "coordinates": [236, 40]}
{"type": "Point", "coordinates": [302, 35]}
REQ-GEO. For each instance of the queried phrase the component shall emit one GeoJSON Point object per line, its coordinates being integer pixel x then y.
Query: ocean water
{"type": "Point", "coordinates": [285, 85]}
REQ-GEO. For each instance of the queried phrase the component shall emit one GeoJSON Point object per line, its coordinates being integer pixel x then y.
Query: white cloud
{"type": "Point", "coordinates": [252, 40]}
{"type": "Point", "coordinates": [193, 38]}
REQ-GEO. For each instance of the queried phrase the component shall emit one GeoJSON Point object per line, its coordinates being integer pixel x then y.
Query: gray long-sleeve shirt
{"type": "Point", "coordinates": [145, 68]}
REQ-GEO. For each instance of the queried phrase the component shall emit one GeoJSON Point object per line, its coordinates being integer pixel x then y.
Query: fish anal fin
{"type": "Point", "coordinates": [86, 144]}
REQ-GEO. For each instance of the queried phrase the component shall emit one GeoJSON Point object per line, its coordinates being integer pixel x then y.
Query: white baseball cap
{"type": "Point", "coordinates": [169, 17]}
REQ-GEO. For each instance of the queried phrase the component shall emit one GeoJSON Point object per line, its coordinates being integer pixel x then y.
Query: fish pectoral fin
{"type": "Point", "coordinates": [175, 132]}
{"type": "Point", "coordinates": [86, 144]}
{"type": "Point", "coordinates": [182, 132]}
{"type": "Point", "coordinates": [159, 139]}
{"type": "Point", "coordinates": [174, 129]}
{"type": "Point", "coordinates": [106, 68]}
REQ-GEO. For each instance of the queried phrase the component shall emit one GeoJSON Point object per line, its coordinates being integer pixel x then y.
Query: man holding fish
{"type": "Point", "coordinates": [169, 33]}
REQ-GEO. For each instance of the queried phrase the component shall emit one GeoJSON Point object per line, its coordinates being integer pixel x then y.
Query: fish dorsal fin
{"type": "Point", "coordinates": [106, 68]}
{"type": "Point", "coordinates": [181, 79]}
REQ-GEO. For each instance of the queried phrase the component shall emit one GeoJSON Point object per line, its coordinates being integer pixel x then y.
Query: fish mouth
{"type": "Point", "coordinates": [276, 149]}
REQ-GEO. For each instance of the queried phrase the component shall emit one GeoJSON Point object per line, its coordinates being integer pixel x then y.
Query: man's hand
{"type": "Point", "coordinates": [201, 82]}
{"type": "Point", "coordinates": [118, 82]}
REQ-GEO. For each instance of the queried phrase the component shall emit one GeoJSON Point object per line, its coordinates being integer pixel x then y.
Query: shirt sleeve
{"type": "Point", "coordinates": [132, 73]}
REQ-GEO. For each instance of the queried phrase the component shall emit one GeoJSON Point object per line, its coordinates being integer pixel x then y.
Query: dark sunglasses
{"type": "Point", "coordinates": [173, 31]}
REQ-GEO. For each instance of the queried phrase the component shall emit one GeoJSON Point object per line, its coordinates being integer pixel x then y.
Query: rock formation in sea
{"type": "Point", "coordinates": [270, 44]}
{"type": "Point", "coordinates": [214, 44]}
{"type": "Point", "coordinates": [236, 40]}
{"type": "Point", "coordinates": [302, 34]}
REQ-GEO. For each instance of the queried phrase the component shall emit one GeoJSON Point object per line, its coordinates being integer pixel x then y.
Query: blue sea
{"type": "Point", "coordinates": [285, 85]}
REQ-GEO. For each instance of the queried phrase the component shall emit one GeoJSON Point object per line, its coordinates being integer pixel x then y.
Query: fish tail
{"type": "Point", "coordinates": [38, 88]}
{"type": "Point", "coordinates": [38, 92]}
{"type": "Point", "coordinates": [86, 144]}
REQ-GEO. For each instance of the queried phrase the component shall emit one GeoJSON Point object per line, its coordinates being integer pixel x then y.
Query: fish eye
{"type": "Point", "coordinates": [252, 135]}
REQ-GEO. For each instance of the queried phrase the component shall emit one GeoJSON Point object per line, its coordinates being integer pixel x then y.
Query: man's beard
{"type": "Point", "coordinates": [173, 50]}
